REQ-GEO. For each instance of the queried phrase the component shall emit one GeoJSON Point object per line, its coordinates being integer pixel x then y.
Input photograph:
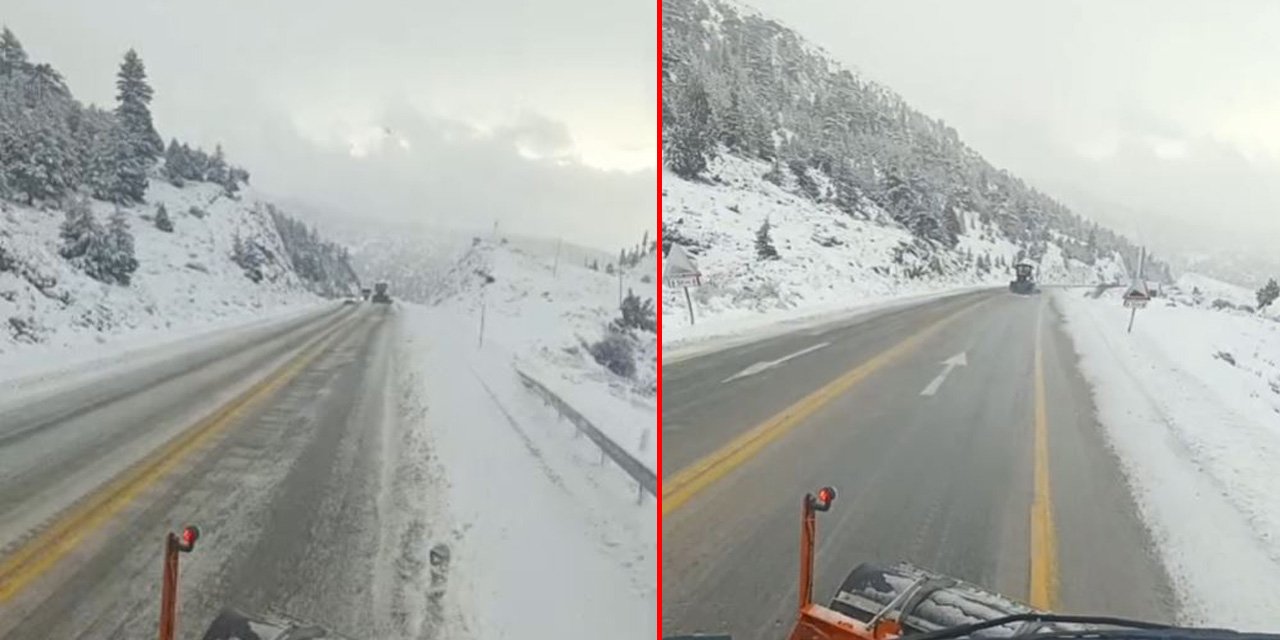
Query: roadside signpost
{"type": "Point", "coordinates": [1138, 294]}
{"type": "Point", "coordinates": [680, 271]}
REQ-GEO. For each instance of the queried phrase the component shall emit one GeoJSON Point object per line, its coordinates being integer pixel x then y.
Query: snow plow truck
{"type": "Point", "coordinates": [1023, 279]}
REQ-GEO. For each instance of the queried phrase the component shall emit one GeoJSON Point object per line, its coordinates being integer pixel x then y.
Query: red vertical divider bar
{"type": "Point", "coordinates": [658, 278]}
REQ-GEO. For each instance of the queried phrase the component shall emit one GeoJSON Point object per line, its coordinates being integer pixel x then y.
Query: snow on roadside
{"type": "Point", "coordinates": [544, 315]}
{"type": "Point", "coordinates": [547, 541]}
{"type": "Point", "coordinates": [1191, 403]}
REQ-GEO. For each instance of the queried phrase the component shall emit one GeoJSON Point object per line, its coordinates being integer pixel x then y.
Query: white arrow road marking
{"type": "Point", "coordinates": [769, 364]}
{"type": "Point", "coordinates": [958, 360]}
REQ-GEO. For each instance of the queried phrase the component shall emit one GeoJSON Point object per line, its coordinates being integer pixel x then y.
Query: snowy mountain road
{"type": "Point", "coordinates": [276, 451]}
{"type": "Point", "coordinates": [1001, 476]}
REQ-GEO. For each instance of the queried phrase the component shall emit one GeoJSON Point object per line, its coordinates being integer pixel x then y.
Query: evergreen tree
{"type": "Point", "coordinates": [37, 150]}
{"type": "Point", "coordinates": [217, 168]}
{"type": "Point", "coordinates": [1268, 294]}
{"type": "Point", "coordinates": [119, 259]}
{"type": "Point", "coordinates": [163, 222]}
{"type": "Point", "coordinates": [691, 139]}
{"type": "Point", "coordinates": [636, 314]}
{"type": "Point", "coordinates": [126, 181]}
{"type": "Point", "coordinates": [733, 130]}
{"type": "Point", "coordinates": [12, 56]}
{"type": "Point", "coordinates": [249, 257]}
{"type": "Point", "coordinates": [133, 107]}
{"type": "Point", "coordinates": [764, 243]}
{"type": "Point", "coordinates": [177, 165]}
{"type": "Point", "coordinates": [79, 231]}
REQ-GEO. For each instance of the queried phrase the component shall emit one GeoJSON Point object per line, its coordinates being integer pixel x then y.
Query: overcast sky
{"type": "Point", "coordinates": [540, 114]}
{"type": "Point", "coordinates": [1158, 117]}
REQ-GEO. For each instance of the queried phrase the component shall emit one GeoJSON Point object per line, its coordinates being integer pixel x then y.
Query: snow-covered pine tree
{"type": "Point", "coordinates": [133, 107]}
{"type": "Point", "coordinates": [118, 257]}
{"type": "Point", "coordinates": [177, 167]}
{"type": "Point", "coordinates": [1268, 294]}
{"type": "Point", "coordinates": [733, 131]}
{"type": "Point", "coordinates": [79, 230]}
{"type": "Point", "coordinates": [37, 149]}
{"type": "Point", "coordinates": [764, 243]}
{"type": "Point", "coordinates": [691, 139]}
{"type": "Point", "coordinates": [127, 180]}
{"type": "Point", "coordinates": [12, 56]}
{"type": "Point", "coordinates": [163, 222]}
{"type": "Point", "coordinates": [248, 256]}
{"type": "Point", "coordinates": [636, 314]}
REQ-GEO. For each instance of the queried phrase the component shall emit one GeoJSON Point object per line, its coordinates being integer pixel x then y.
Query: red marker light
{"type": "Point", "coordinates": [826, 495]}
{"type": "Point", "coordinates": [189, 536]}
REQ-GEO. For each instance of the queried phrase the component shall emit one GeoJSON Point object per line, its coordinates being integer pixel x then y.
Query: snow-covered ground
{"type": "Point", "coordinates": [828, 260]}
{"type": "Point", "coordinates": [1191, 403]}
{"type": "Point", "coordinates": [550, 541]}
{"type": "Point", "coordinates": [542, 316]}
{"type": "Point", "coordinates": [185, 282]}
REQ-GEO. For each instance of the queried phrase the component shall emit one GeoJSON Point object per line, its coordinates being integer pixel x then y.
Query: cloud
{"type": "Point", "coordinates": [440, 171]}
{"type": "Point", "coordinates": [540, 114]}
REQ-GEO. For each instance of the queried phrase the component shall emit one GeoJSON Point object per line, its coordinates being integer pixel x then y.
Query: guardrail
{"type": "Point", "coordinates": [646, 478]}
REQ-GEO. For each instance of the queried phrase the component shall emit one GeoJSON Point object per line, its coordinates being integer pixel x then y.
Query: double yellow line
{"type": "Point", "coordinates": [690, 481]}
{"type": "Point", "coordinates": [36, 556]}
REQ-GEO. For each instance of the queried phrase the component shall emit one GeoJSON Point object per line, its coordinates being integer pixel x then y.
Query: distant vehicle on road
{"type": "Point", "coordinates": [380, 295]}
{"type": "Point", "coordinates": [1023, 280]}
{"type": "Point", "coordinates": [365, 293]}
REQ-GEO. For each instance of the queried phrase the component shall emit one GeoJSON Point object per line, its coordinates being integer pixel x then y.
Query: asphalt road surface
{"type": "Point", "coordinates": [277, 449]}
{"type": "Point", "coordinates": [996, 472]}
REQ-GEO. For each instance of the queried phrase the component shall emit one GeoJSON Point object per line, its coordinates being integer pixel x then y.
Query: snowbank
{"type": "Point", "coordinates": [549, 542]}
{"type": "Point", "coordinates": [1191, 403]}
{"type": "Point", "coordinates": [528, 498]}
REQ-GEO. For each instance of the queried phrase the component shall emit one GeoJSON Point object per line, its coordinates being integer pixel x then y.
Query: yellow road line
{"type": "Point", "coordinates": [693, 479]}
{"type": "Point", "coordinates": [30, 561]}
{"type": "Point", "coordinates": [1044, 542]}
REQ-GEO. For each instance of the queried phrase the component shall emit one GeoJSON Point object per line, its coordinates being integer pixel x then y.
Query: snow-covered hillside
{"type": "Point", "coordinates": [796, 182]}
{"type": "Point", "coordinates": [105, 232]}
{"type": "Point", "coordinates": [1191, 403]}
{"type": "Point", "coordinates": [185, 278]}
{"type": "Point", "coordinates": [825, 256]}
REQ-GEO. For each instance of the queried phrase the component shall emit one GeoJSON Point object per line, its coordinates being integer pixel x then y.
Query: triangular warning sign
{"type": "Point", "coordinates": [679, 263]}
{"type": "Point", "coordinates": [1138, 291]}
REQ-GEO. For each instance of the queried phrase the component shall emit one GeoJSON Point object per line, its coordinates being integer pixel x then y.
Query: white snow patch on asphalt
{"type": "Point", "coordinates": [1199, 438]}
{"type": "Point", "coordinates": [548, 542]}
